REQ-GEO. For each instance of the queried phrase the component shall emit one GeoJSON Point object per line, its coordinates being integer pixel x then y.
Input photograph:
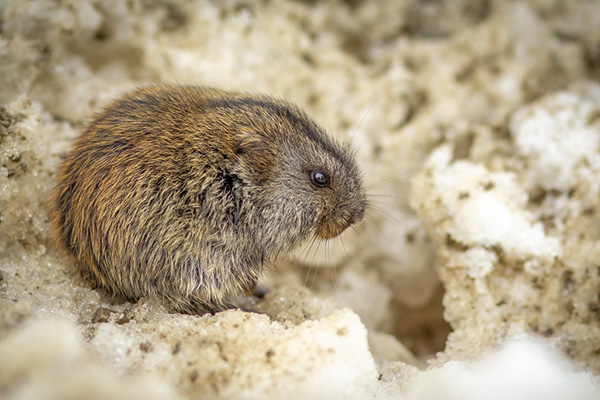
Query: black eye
{"type": "Point", "coordinates": [319, 178]}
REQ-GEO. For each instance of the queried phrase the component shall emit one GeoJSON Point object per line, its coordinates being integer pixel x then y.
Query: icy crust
{"type": "Point", "coordinates": [245, 355]}
{"type": "Point", "coordinates": [486, 209]}
{"type": "Point", "coordinates": [528, 369]}
{"type": "Point", "coordinates": [48, 360]}
{"type": "Point", "coordinates": [559, 135]}
{"type": "Point", "coordinates": [519, 250]}
{"type": "Point", "coordinates": [41, 353]}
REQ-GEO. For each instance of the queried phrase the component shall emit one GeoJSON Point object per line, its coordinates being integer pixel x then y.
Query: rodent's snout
{"type": "Point", "coordinates": [357, 210]}
{"type": "Point", "coordinates": [357, 215]}
{"type": "Point", "coordinates": [336, 224]}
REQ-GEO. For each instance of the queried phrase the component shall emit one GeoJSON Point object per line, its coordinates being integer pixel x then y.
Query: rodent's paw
{"type": "Point", "coordinates": [260, 291]}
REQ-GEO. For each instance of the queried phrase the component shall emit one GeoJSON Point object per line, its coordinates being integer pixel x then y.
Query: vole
{"type": "Point", "coordinates": [187, 192]}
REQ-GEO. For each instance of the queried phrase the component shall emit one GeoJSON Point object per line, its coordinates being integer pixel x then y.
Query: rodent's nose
{"type": "Point", "coordinates": [357, 216]}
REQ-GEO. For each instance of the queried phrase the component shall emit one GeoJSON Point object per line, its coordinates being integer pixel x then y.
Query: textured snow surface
{"type": "Point", "coordinates": [475, 274]}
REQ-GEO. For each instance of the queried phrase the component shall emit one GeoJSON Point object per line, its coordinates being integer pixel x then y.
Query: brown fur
{"type": "Point", "coordinates": [186, 192]}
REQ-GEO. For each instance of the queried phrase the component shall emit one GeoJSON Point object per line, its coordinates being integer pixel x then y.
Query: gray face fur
{"type": "Point", "coordinates": [186, 192]}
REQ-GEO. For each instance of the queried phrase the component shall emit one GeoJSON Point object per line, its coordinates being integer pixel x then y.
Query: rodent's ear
{"type": "Point", "coordinates": [247, 143]}
{"type": "Point", "coordinates": [253, 151]}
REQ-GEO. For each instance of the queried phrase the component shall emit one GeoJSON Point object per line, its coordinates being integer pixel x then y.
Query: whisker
{"type": "Point", "coordinates": [388, 196]}
{"type": "Point", "coordinates": [380, 205]}
{"type": "Point", "coordinates": [306, 249]}
{"type": "Point", "coordinates": [307, 275]}
{"type": "Point", "coordinates": [381, 212]}
{"type": "Point", "coordinates": [379, 228]}
{"type": "Point", "coordinates": [360, 123]}
{"type": "Point", "coordinates": [314, 277]}
{"type": "Point", "coordinates": [363, 237]}
{"type": "Point", "coordinates": [310, 265]}
{"type": "Point", "coordinates": [388, 181]}
{"type": "Point", "coordinates": [270, 305]}
{"type": "Point", "coordinates": [334, 276]}
{"type": "Point", "coordinates": [333, 281]}
{"type": "Point", "coordinates": [375, 210]}
{"type": "Point", "coordinates": [344, 246]}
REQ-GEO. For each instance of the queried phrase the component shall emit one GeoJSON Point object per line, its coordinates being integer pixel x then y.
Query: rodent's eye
{"type": "Point", "coordinates": [319, 178]}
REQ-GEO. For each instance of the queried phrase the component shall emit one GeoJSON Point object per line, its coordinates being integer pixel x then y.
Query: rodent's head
{"type": "Point", "coordinates": [308, 182]}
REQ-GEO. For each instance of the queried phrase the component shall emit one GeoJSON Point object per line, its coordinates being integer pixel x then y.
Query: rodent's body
{"type": "Point", "coordinates": [185, 193]}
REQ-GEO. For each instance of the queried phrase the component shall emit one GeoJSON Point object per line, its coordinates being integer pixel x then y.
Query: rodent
{"type": "Point", "coordinates": [186, 193]}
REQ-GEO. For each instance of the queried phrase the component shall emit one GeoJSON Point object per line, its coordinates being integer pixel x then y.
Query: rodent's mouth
{"type": "Point", "coordinates": [330, 229]}
{"type": "Point", "coordinates": [329, 234]}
